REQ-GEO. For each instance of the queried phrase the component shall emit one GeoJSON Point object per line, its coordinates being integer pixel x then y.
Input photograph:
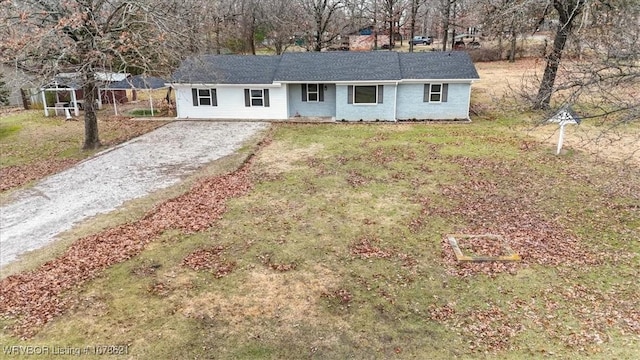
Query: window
{"type": "Point", "coordinates": [365, 94]}
{"type": "Point", "coordinates": [204, 97]}
{"type": "Point", "coordinates": [435, 93]}
{"type": "Point", "coordinates": [312, 92]}
{"type": "Point", "coordinates": [256, 97]}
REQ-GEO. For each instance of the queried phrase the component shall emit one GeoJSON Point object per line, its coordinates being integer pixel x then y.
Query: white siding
{"type": "Point", "coordinates": [231, 103]}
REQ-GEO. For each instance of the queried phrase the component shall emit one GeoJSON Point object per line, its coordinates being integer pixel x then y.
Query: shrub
{"type": "Point", "coordinates": [4, 91]}
{"type": "Point", "coordinates": [485, 54]}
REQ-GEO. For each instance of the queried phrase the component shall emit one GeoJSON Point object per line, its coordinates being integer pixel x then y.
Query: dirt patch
{"type": "Point", "coordinates": [289, 297]}
{"type": "Point", "coordinates": [280, 157]}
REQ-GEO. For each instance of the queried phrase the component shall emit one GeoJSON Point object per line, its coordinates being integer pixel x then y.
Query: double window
{"type": "Point", "coordinates": [435, 93]}
{"type": "Point", "coordinates": [312, 92]}
{"type": "Point", "coordinates": [256, 97]}
{"type": "Point", "coordinates": [365, 94]}
{"type": "Point", "coordinates": [204, 97]}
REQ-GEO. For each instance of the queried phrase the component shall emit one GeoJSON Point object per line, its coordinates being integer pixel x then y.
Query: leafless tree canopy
{"type": "Point", "coordinates": [593, 56]}
{"type": "Point", "coordinates": [85, 37]}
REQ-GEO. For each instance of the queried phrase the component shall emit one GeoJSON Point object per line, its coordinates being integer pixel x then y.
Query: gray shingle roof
{"type": "Point", "coordinates": [227, 69]}
{"type": "Point", "coordinates": [338, 66]}
{"type": "Point", "coordinates": [138, 82]}
{"type": "Point", "coordinates": [437, 65]}
{"type": "Point", "coordinates": [325, 67]}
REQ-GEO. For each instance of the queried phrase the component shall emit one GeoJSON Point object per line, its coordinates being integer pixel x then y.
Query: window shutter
{"type": "Point", "coordinates": [320, 92]}
{"type": "Point", "coordinates": [380, 93]}
{"type": "Point", "coordinates": [445, 90]}
{"type": "Point", "coordinates": [304, 92]}
{"type": "Point", "coordinates": [214, 97]}
{"type": "Point", "coordinates": [194, 95]}
{"type": "Point", "coordinates": [427, 88]}
{"type": "Point", "coordinates": [266, 97]}
{"type": "Point", "coordinates": [350, 94]}
{"type": "Point", "coordinates": [247, 98]}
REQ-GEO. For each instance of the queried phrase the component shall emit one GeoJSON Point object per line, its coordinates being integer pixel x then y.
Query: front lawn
{"type": "Point", "coordinates": [338, 250]}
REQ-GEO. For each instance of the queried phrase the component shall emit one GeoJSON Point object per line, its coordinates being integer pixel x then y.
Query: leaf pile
{"type": "Point", "coordinates": [281, 267]}
{"type": "Point", "coordinates": [481, 247]}
{"type": "Point", "coordinates": [158, 288]}
{"type": "Point", "coordinates": [36, 297]}
{"type": "Point", "coordinates": [485, 330]}
{"type": "Point", "coordinates": [342, 295]}
{"type": "Point", "coordinates": [209, 259]}
{"type": "Point", "coordinates": [365, 249]}
{"type": "Point", "coordinates": [18, 175]}
{"type": "Point", "coordinates": [483, 206]}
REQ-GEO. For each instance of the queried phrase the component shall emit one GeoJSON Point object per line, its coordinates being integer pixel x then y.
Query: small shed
{"type": "Point", "coordinates": [138, 82]}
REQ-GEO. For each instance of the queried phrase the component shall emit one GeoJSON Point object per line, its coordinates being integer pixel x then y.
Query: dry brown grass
{"type": "Point", "coordinates": [498, 81]}
{"type": "Point", "coordinates": [290, 298]}
{"type": "Point", "coordinates": [499, 78]}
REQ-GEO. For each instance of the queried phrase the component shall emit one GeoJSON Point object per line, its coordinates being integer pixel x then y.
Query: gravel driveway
{"type": "Point", "coordinates": [102, 183]}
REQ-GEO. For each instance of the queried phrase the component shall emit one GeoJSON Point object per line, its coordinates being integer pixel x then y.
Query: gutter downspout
{"type": "Point", "coordinates": [469, 102]}
{"type": "Point", "coordinates": [395, 104]}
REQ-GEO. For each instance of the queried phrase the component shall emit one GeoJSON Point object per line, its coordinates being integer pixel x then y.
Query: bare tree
{"type": "Point", "coordinates": [413, 15]}
{"type": "Point", "coordinates": [392, 13]}
{"type": "Point", "coordinates": [447, 10]}
{"type": "Point", "coordinates": [281, 19]}
{"type": "Point", "coordinates": [86, 37]}
{"type": "Point", "coordinates": [321, 21]}
{"type": "Point", "coordinates": [568, 12]}
{"type": "Point", "coordinates": [607, 78]}
{"type": "Point", "coordinates": [511, 17]}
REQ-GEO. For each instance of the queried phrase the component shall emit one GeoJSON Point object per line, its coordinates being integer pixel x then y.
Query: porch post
{"type": "Point", "coordinates": [74, 100]}
{"type": "Point", "coordinates": [44, 101]}
{"type": "Point", "coordinates": [151, 102]}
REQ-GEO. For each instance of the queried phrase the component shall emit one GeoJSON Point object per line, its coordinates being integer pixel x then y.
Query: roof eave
{"type": "Point", "coordinates": [444, 80]}
{"type": "Point", "coordinates": [178, 83]}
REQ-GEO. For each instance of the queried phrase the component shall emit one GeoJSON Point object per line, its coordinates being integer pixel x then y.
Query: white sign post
{"type": "Point", "coordinates": [563, 117]}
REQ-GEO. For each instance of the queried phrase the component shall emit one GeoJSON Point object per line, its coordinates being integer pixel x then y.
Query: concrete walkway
{"type": "Point", "coordinates": [102, 183]}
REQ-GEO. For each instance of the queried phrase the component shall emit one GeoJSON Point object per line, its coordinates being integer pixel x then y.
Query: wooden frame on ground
{"type": "Point", "coordinates": [508, 253]}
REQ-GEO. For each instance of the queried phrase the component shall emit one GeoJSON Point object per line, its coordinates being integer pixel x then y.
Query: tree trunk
{"type": "Point", "coordinates": [375, 25]}
{"type": "Point", "coordinates": [91, 140]}
{"type": "Point", "coordinates": [391, 35]}
{"type": "Point", "coordinates": [567, 13]}
{"type": "Point", "coordinates": [447, 15]}
{"type": "Point", "coordinates": [512, 53]}
{"type": "Point", "coordinates": [318, 35]}
{"type": "Point", "coordinates": [414, 12]}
